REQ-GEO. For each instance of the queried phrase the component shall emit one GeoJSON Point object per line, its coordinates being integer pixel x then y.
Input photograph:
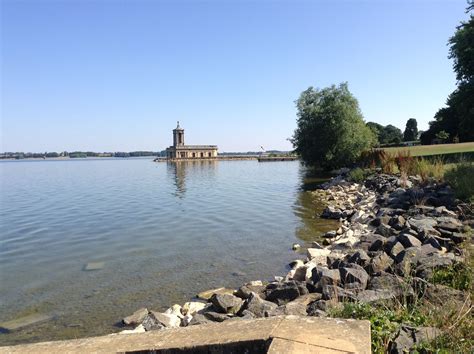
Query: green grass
{"type": "Point", "coordinates": [440, 149]}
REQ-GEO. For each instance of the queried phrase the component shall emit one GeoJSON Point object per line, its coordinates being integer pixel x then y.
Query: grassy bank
{"type": "Point", "coordinates": [427, 150]}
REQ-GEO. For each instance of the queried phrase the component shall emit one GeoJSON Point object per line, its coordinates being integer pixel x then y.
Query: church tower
{"type": "Point", "coordinates": [178, 136]}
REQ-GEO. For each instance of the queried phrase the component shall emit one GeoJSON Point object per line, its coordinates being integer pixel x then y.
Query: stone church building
{"type": "Point", "coordinates": [180, 151]}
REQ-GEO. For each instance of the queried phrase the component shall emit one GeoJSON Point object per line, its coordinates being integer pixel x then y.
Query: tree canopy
{"type": "Point", "coordinates": [386, 135]}
{"type": "Point", "coordinates": [411, 130]}
{"type": "Point", "coordinates": [330, 132]}
{"type": "Point", "coordinates": [457, 118]}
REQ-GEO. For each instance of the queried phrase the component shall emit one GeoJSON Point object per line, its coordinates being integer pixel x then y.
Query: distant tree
{"type": "Point", "coordinates": [376, 129]}
{"type": "Point", "coordinates": [330, 132]}
{"type": "Point", "coordinates": [391, 135]}
{"type": "Point", "coordinates": [411, 130]}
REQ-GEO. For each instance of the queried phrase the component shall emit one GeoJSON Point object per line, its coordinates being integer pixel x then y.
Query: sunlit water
{"type": "Point", "coordinates": [163, 231]}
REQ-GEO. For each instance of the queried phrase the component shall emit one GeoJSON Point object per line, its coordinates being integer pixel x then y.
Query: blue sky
{"type": "Point", "coordinates": [107, 75]}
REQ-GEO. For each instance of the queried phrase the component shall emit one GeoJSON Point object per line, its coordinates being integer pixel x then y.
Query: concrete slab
{"type": "Point", "coordinates": [332, 333]}
{"type": "Point", "coordinates": [288, 334]}
{"type": "Point", "coordinates": [284, 346]}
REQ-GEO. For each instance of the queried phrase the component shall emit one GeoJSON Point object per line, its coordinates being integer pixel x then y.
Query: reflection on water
{"type": "Point", "coordinates": [308, 208]}
{"type": "Point", "coordinates": [177, 170]}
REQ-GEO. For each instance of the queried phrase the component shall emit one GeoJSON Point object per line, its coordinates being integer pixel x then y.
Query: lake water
{"type": "Point", "coordinates": [163, 231]}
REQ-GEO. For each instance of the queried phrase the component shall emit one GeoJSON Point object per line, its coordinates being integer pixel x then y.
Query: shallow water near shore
{"type": "Point", "coordinates": [153, 234]}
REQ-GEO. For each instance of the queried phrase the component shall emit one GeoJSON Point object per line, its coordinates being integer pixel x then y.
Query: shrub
{"type": "Point", "coordinates": [461, 178]}
{"type": "Point", "coordinates": [358, 174]}
{"type": "Point", "coordinates": [330, 132]}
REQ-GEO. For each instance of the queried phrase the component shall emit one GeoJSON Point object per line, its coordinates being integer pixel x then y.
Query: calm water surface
{"type": "Point", "coordinates": [164, 231]}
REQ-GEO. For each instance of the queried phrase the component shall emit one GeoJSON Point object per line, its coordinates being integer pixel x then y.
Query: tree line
{"type": "Point", "coordinates": [77, 154]}
{"type": "Point", "coordinates": [331, 131]}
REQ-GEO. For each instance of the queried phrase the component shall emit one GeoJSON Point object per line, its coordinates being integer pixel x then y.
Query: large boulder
{"type": "Point", "coordinates": [206, 295]}
{"type": "Point", "coordinates": [246, 290]}
{"type": "Point", "coordinates": [318, 255]}
{"type": "Point", "coordinates": [136, 318]}
{"type": "Point", "coordinates": [354, 275]}
{"type": "Point", "coordinates": [408, 240]}
{"type": "Point", "coordinates": [258, 306]}
{"type": "Point", "coordinates": [331, 212]}
{"type": "Point", "coordinates": [380, 263]}
{"type": "Point", "coordinates": [226, 303]}
{"type": "Point", "coordinates": [360, 257]}
{"type": "Point", "coordinates": [424, 226]}
{"type": "Point", "coordinates": [150, 323]}
{"type": "Point", "coordinates": [384, 230]}
{"type": "Point", "coordinates": [322, 276]}
{"type": "Point", "coordinates": [331, 292]}
{"type": "Point", "coordinates": [409, 337]}
{"type": "Point", "coordinates": [283, 292]}
{"type": "Point", "coordinates": [167, 320]}
{"type": "Point", "coordinates": [191, 307]}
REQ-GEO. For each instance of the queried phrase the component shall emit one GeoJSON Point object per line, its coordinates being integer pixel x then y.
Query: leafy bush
{"type": "Point", "coordinates": [358, 174]}
{"type": "Point", "coordinates": [461, 178]}
{"type": "Point", "coordinates": [330, 132]}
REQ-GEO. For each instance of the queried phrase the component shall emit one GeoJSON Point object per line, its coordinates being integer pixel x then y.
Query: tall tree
{"type": "Point", "coordinates": [411, 130]}
{"type": "Point", "coordinates": [330, 132]}
{"type": "Point", "coordinates": [457, 118]}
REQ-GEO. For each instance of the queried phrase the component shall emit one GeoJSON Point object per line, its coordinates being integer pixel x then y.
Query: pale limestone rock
{"type": "Point", "coordinates": [138, 329]}
{"type": "Point", "coordinates": [175, 310]}
{"type": "Point", "coordinates": [191, 307]}
{"type": "Point", "coordinates": [167, 320]}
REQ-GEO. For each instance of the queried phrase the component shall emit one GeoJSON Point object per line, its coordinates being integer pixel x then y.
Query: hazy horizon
{"type": "Point", "coordinates": [116, 76]}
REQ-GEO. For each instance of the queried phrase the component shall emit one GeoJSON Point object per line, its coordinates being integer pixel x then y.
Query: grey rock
{"type": "Point", "coordinates": [360, 257]}
{"type": "Point", "coordinates": [259, 307]}
{"type": "Point", "coordinates": [396, 249]}
{"type": "Point", "coordinates": [458, 237]}
{"type": "Point", "coordinates": [215, 316]}
{"type": "Point", "coordinates": [384, 230]}
{"type": "Point", "coordinates": [227, 303]}
{"type": "Point", "coordinates": [380, 263]}
{"type": "Point", "coordinates": [284, 292]}
{"type": "Point", "coordinates": [354, 275]}
{"type": "Point", "coordinates": [322, 276]}
{"type": "Point", "coordinates": [424, 226]}
{"type": "Point", "coordinates": [409, 240]}
{"type": "Point", "coordinates": [319, 305]}
{"type": "Point", "coordinates": [136, 318]}
{"type": "Point", "coordinates": [150, 323]}
{"type": "Point", "coordinates": [246, 290]}
{"type": "Point", "coordinates": [331, 212]}
{"type": "Point", "coordinates": [335, 292]}
{"type": "Point", "coordinates": [330, 234]}
{"type": "Point", "coordinates": [397, 222]}
{"type": "Point", "coordinates": [199, 319]}
{"type": "Point", "coordinates": [409, 337]}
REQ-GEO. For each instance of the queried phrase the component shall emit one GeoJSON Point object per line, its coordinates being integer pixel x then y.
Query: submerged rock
{"type": "Point", "coordinates": [136, 318]}
{"type": "Point", "coordinates": [206, 295]}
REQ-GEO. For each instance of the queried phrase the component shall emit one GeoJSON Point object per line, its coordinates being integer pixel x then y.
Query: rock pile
{"type": "Point", "coordinates": [393, 234]}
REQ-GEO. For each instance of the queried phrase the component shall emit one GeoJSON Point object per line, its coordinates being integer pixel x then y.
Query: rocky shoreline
{"type": "Point", "coordinates": [394, 234]}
